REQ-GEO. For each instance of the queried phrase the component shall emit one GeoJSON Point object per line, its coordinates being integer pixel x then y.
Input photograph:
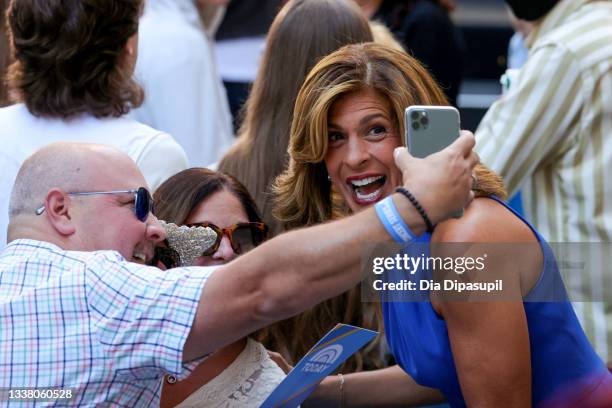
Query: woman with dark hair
{"type": "Point", "coordinates": [72, 80]}
{"type": "Point", "coordinates": [241, 374]}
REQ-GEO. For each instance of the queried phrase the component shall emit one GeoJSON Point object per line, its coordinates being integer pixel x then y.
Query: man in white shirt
{"type": "Point", "coordinates": [72, 79]}
{"type": "Point", "coordinates": [177, 68]}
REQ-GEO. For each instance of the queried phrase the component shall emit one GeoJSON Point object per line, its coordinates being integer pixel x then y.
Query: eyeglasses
{"type": "Point", "coordinates": [243, 236]}
{"type": "Point", "coordinates": [143, 202]}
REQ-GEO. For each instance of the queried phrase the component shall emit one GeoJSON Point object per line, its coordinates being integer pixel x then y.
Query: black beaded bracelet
{"type": "Point", "coordinates": [417, 205]}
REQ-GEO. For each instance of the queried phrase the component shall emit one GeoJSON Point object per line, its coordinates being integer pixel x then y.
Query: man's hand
{"type": "Point", "coordinates": [441, 182]}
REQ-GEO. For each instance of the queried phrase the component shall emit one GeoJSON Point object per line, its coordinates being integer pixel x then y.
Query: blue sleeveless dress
{"type": "Point", "coordinates": [561, 354]}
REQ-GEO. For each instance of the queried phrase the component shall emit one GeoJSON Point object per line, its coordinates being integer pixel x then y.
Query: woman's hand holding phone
{"type": "Point", "coordinates": [442, 182]}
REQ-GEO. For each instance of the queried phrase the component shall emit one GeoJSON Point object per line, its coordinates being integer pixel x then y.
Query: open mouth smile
{"type": "Point", "coordinates": [367, 189]}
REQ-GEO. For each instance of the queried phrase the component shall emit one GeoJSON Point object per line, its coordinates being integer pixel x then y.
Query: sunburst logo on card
{"type": "Point", "coordinates": [323, 359]}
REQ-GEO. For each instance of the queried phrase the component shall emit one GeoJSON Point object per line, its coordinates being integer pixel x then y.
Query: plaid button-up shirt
{"type": "Point", "coordinates": [92, 322]}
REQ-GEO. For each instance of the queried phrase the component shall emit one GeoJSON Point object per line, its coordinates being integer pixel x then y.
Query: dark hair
{"type": "Point", "coordinates": [4, 54]}
{"type": "Point", "coordinates": [179, 195]}
{"type": "Point", "coordinates": [303, 32]}
{"type": "Point", "coordinates": [70, 56]}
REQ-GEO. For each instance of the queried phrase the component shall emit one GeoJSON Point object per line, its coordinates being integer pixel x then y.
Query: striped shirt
{"type": "Point", "coordinates": [551, 137]}
{"type": "Point", "coordinates": [92, 322]}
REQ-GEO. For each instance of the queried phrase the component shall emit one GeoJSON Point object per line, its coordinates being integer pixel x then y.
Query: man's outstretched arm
{"type": "Point", "coordinates": [301, 268]}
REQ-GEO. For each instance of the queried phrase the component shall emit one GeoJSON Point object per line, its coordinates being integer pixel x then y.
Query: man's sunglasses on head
{"type": "Point", "coordinates": [143, 202]}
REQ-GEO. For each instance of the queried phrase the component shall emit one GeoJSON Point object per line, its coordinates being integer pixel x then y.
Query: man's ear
{"type": "Point", "coordinates": [59, 212]}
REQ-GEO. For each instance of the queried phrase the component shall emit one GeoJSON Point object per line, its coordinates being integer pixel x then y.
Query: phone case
{"type": "Point", "coordinates": [430, 129]}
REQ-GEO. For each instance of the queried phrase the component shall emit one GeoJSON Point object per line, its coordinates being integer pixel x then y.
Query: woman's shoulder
{"type": "Point", "coordinates": [493, 226]}
{"type": "Point", "coordinates": [484, 220]}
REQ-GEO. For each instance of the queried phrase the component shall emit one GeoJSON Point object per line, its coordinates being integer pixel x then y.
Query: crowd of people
{"type": "Point", "coordinates": [133, 275]}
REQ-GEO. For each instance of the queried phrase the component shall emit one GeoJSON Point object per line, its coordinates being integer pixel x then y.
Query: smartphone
{"type": "Point", "coordinates": [430, 129]}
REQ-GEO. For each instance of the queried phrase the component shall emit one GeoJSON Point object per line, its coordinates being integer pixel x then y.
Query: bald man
{"type": "Point", "coordinates": [78, 312]}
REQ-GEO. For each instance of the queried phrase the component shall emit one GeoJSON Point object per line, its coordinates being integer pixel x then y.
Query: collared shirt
{"type": "Point", "coordinates": [551, 137]}
{"type": "Point", "coordinates": [92, 322]}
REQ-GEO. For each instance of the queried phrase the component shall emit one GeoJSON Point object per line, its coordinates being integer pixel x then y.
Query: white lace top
{"type": "Point", "coordinates": [246, 382]}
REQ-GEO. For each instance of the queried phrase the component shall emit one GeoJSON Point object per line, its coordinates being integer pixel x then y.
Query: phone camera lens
{"type": "Point", "coordinates": [424, 121]}
{"type": "Point", "coordinates": [415, 125]}
{"type": "Point", "coordinates": [414, 115]}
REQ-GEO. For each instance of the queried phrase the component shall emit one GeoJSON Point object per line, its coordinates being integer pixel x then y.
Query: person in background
{"type": "Point", "coordinates": [427, 32]}
{"type": "Point", "coordinates": [517, 56]}
{"type": "Point", "coordinates": [177, 69]}
{"type": "Point", "coordinates": [517, 50]}
{"type": "Point", "coordinates": [520, 347]}
{"type": "Point", "coordinates": [72, 80]}
{"type": "Point", "coordinates": [241, 374]}
{"type": "Point", "coordinates": [239, 44]}
{"type": "Point", "coordinates": [293, 47]}
{"type": "Point", "coordinates": [4, 54]}
{"type": "Point", "coordinates": [383, 36]}
{"type": "Point", "coordinates": [549, 137]}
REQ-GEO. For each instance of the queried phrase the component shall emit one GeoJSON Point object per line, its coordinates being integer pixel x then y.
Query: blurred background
{"type": "Point", "coordinates": [3, 53]}
{"type": "Point", "coordinates": [483, 24]}
{"type": "Point", "coordinates": [486, 29]}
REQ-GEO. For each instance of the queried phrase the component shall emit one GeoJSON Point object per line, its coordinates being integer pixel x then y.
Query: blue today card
{"type": "Point", "coordinates": [329, 352]}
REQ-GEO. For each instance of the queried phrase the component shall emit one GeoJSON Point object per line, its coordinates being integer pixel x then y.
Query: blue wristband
{"type": "Point", "coordinates": [392, 221]}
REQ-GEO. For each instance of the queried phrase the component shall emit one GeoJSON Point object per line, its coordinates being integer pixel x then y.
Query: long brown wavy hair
{"type": "Point", "coordinates": [70, 56]}
{"type": "Point", "coordinates": [304, 195]}
{"type": "Point", "coordinates": [303, 32]}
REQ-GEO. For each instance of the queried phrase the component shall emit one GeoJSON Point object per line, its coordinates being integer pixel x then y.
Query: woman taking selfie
{"type": "Point", "coordinates": [513, 353]}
